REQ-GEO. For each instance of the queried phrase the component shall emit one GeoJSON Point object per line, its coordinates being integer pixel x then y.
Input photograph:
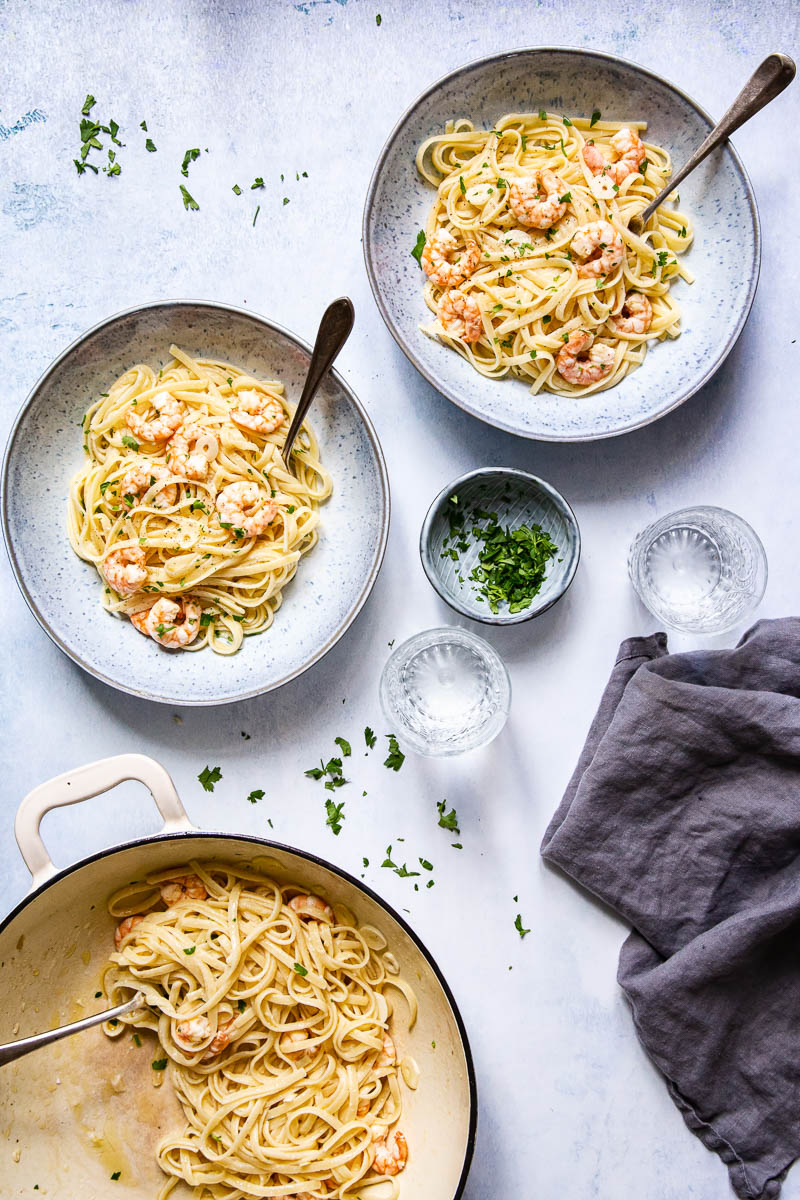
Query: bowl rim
{"type": "Point", "coordinates": [378, 552]}
{"type": "Point", "coordinates": [452, 393]}
{"type": "Point", "coordinates": [270, 844]}
{"type": "Point", "coordinates": [552, 493]}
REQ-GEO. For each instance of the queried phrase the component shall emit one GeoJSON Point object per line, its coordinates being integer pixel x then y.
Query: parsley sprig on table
{"type": "Point", "coordinates": [512, 563]}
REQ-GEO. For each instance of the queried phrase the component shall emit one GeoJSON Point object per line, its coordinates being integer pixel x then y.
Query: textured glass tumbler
{"type": "Point", "coordinates": [445, 691]}
{"type": "Point", "coordinates": [702, 570]}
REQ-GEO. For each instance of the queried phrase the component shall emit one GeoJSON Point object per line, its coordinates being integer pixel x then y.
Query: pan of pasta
{"type": "Point", "coordinates": [295, 1039]}
{"type": "Point", "coordinates": [153, 525]}
{"type": "Point", "coordinates": [498, 242]}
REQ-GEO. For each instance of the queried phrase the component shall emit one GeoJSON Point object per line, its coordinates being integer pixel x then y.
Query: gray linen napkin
{"type": "Point", "coordinates": [684, 816]}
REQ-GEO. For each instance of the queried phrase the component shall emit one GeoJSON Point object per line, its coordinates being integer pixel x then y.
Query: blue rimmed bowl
{"type": "Point", "coordinates": [44, 451]}
{"type": "Point", "coordinates": [724, 258]}
{"type": "Point", "coordinates": [517, 498]}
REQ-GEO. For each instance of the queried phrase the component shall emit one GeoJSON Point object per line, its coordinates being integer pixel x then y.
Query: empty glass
{"type": "Point", "coordinates": [702, 570]}
{"type": "Point", "coordinates": [445, 691]}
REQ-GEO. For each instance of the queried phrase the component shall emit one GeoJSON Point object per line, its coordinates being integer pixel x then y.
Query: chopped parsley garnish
{"type": "Point", "coordinates": [209, 776]}
{"type": "Point", "coordinates": [334, 815]}
{"type": "Point", "coordinates": [285, 199]}
{"type": "Point", "coordinates": [130, 442]}
{"type": "Point", "coordinates": [425, 864]}
{"type": "Point", "coordinates": [419, 246]}
{"type": "Point", "coordinates": [88, 105]}
{"type": "Point", "coordinates": [518, 926]}
{"type": "Point", "coordinates": [159, 1064]}
{"type": "Point", "coordinates": [644, 164]}
{"type": "Point", "coordinates": [189, 201]}
{"type": "Point", "coordinates": [402, 871]}
{"type": "Point", "coordinates": [565, 199]}
{"type": "Point", "coordinates": [189, 949]}
{"type": "Point", "coordinates": [137, 1041]}
{"type": "Point", "coordinates": [237, 191]}
{"type": "Point", "coordinates": [365, 861]}
{"type": "Point", "coordinates": [595, 118]}
{"type": "Point", "coordinates": [255, 795]}
{"type": "Point", "coordinates": [462, 185]}
{"type": "Point", "coordinates": [241, 1005]}
{"type": "Point", "coordinates": [378, 18]}
{"type": "Point", "coordinates": [343, 745]}
{"type": "Point", "coordinates": [369, 737]}
{"type": "Point", "coordinates": [189, 157]}
{"type": "Point", "coordinates": [150, 146]}
{"type": "Point", "coordinates": [299, 969]}
{"type": "Point", "coordinates": [206, 619]}
{"type": "Point", "coordinates": [447, 820]}
{"type": "Point", "coordinates": [566, 120]}
{"type": "Point", "coordinates": [115, 1175]}
{"type": "Point", "coordinates": [395, 758]}
{"type": "Point", "coordinates": [255, 214]}
{"type": "Point", "coordinates": [258, 182]}
{"type": "Point", "coordinates": [542, 115]}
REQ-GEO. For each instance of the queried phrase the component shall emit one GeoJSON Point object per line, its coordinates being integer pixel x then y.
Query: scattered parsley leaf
{"type": "Point", "coordinates": [258, 182]}
{"type": "Point", "coordinates": [395, 758]}
{"type": "Point", "coordinates": [378, 18]}
{"type": "Point", "coordinates": [256, 794]}
{"type": "Point", "coordinates": [369, 737]}
{"type": "Point", "coordinates": [189, 201]}
{"type": "Point", "coordinates": [209, 776]}
{"type": "Point", "coordinates": [130, 442]}
{"type": "Point", "coordinates": [88, 105]}
{"type": "Point", "coordinates": [236, 189]}
{"type": "Point", "coordinates": [150, 146]}
{"type": "Point", "coordinates": [334, 816]}
{"type": "Point", "coordinates": [419, 246]}
{"type": "Point", "coordinates": [299, 969]}
{"type": "Point", "coordinates": [189, 949]}
{"type": "Point", "coordinates": [159, 1064]}
{"type": "Point", "coordinates": [189, 157]}
{"type": "Point", "coordinates": [343, 745]}
{"type": "Point", "coordinates": [447, 820]}
{"type": "Point", "coordinates": [115, 1176]}
{"type": "Point", "coordinates": [255, 214]}
{"type": "Point", "coordinates": [595, 118]}
{"type": "Point", "coordinates": [518, 926]}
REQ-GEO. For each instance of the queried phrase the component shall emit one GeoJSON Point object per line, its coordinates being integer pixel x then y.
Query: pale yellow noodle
{"type": "Point", "coordinates": [237, 580]}
{"type": "Point", "coordinates": [258, 1121]}
{"type": "Point", "coordinates": [527, 286]}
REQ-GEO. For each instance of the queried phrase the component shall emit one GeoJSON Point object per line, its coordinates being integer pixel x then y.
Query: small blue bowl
{"type": "Point", "coordinates": [518, 499]}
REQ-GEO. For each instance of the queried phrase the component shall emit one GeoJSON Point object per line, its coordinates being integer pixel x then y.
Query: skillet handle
{"type": "Point", "coordinates": [83, 783]}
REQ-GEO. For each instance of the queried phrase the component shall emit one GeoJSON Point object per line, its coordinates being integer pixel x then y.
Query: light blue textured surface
{"type": "Point", "coordinates": [570, 1106]}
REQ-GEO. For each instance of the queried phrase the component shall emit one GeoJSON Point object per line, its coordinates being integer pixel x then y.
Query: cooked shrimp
{"type": "Point", "coordinates": [186, 887]}
{"type": "Point", "coordinates": [171, 623]}
{"type": "Point", "coordinates": [191, 450]}
{"type": "Point", "coordinates": [258, 412]}
{"type": "Point", "coordinates": [581, 362]}
{"type": "Point", "coordinates": [600, 245]}
{"type": "Point", "coordinates": [125, 569]}
{"type": "Point", "coordinates": [312, 908]}
{"type": "Point", "coordinates": [293, 1043]}
{"type": "Point", "coordinates": [636, 314]}
{"type": "Point", "coordinates": [460, 316]}
{"type": "Point", "coordinates": [535, 200]}
{"type": "Point", "coordinates": [191, 1033]}
{"type": "Point", "coordinates": [124, 928]}
{"type": "Point", "coordinates": [160, 428]}
{"type": "Point", "coordinates": [246, 507]}
{"type": "Point", "coordinates": [439, 261]}
{"type": "Point", "coordinates": [630, 150]}
{"type": "Point", "coordinates": [391, 1153]}
{"type": "Point", "coordinates": [388, 1055]}
{"type": "Point", "coordinates": [139, 479]}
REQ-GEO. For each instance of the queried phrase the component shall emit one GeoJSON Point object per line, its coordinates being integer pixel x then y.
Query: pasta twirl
{"type": "Point", "coordinates": [532, 269]}
{"type": "Point", "coordinates": [272, 1010]}
{"type": "Point", "coordinates": [184, 504]}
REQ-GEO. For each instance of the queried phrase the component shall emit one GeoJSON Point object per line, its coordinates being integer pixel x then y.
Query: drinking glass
{"type": "Point", "coordinates": [445, 691]}
{"type": "Point", "coordinates": [702, 570]}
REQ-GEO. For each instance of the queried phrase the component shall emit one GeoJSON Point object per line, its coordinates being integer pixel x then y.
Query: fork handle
{"type": "Point", "coordinates": [768, 80]}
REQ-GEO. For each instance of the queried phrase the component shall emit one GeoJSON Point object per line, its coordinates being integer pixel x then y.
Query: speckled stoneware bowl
{"type": "Point", "coordinates": [518, 499]}
{"type": "Point", "coordinates": [725, 257]}
{"type": "Point", "coordinates": [44, 451]}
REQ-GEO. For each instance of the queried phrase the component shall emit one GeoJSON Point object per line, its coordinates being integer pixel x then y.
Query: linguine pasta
{"type": "Point", "coordinates": [273, 1014]}
{"type": "Point", "coordinates": [206, 520]}
{"type": "Point", "coordinates": [535, 288]}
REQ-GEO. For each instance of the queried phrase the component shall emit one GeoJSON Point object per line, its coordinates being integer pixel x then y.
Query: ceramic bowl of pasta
{"type": "Point", "coordinates": [296, 1040]}
{"type": "Point", "coordinates": [152, 524]}
{"type": "Point", "coordinates": [497, 242]}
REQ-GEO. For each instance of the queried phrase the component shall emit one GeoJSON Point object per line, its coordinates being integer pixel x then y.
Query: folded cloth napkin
{"type": "Point", "coordinates": [684, 815]}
